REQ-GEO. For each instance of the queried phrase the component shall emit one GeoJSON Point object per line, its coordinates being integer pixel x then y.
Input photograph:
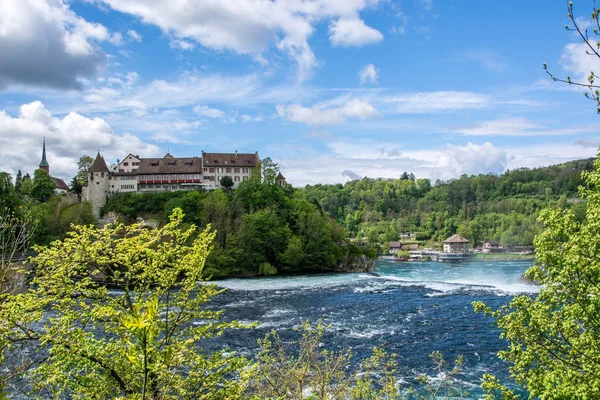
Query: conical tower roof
{"type": "Point", "coordinates": [99, 165]}
{"type": "Point", "coordinates": [44, 163]}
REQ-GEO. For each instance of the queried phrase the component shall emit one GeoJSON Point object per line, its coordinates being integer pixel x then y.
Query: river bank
{"type": "Point", "coordinates": [504, 256]}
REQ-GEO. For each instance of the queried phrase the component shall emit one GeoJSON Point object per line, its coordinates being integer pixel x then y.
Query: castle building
{"type": "Point", "coordinates": [135, 174]}
{"type": "Point", "coordinates": [280, 179]}
{"type": "Point", "coordinates": [456, 244]}
{"type": "Point", "coordinates": [60, 185]}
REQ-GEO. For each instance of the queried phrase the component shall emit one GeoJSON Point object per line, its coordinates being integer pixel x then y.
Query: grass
{"type": "Point", "coordinates": [503, 256]}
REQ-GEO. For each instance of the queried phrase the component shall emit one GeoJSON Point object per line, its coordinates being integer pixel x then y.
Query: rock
{"type": "Point", "coordinates": [356, 264]}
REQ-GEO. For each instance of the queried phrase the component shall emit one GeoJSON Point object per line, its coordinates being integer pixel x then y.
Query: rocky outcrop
{"type": "Point", "coordinates": [356, 264]}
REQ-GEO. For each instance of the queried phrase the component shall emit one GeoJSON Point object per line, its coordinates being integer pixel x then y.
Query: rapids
{"type": "Point", "coordinates": [413, 308]}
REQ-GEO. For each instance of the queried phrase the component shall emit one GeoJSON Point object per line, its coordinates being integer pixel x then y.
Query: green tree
{"type": "Point", "coordinates": [26, 185]}
{"type": "Point", "coordinates": [269, 170]}
{"type": "Point", "coordinates": [83, 168]}
{"type": "Point", "coordinates": [8, 197]}
{"type": "Point", "coordinates": [139, 343]}
{"type": "Point", "coordinates": [18, 181]}
{"type": "Point", "coordinates": [226, 182]}
{"type": "Point", "coordinates": [75, 185]}
{"type": "Point", "coordinates": [42, 186]}
{"type": "Point", "coordinates": [554, 337]}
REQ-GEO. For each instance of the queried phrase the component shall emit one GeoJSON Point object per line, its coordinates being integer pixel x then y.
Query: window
{"type": "Point", "coordinates": [125, 164]}
{"type": "Point", "coordinates": [121, 170]}
{"type": "Point", "coordinates": [205, 169]}
{"type": "Point", "coordinates": [196, 176]}
{"type": "Point", "coordinates": [220, 170]}
{"type": "Point", "coordinates": [182, 176]}
{"type": "Point", "coordinates": [102, 174]}
{"type": "Point", "coordinates": [245, 178]}
{"type": "Point", "coordinates": [236, 170]}
{"type": "Point", "coordinates": [236, 178]}
{"type": "Point", "coordinates": [211, 170]}
{"type": "Point", "coordinates": [228, 170]}
{"type": "Point", "coordinates": [173, 187]}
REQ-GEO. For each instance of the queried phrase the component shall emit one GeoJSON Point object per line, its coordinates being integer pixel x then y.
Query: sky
{"type": "Point", "coordinates": [332, 90]}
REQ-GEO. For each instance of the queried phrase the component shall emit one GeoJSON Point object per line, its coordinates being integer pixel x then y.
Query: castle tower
{"type": "Point", "coordinates": [44, 163]}
{"type": "Point", "coordinates": [280, 179]}
{"type": "Point", "coordinates": [97, 189]}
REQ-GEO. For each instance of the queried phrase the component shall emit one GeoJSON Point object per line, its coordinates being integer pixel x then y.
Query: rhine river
{"type": "Point", "coordinates": [414, 308]}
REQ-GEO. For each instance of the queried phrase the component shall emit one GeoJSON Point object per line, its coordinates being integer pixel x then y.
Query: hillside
{"type": "Point", "coordinates": [482, 207]}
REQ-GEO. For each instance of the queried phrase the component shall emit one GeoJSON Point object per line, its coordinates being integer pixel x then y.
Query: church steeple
{"type": "Point", "coordinates": [44, 163]}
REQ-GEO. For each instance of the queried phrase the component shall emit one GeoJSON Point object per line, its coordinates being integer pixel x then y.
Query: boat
{"type": "Point", "coordinates": [397, 259]}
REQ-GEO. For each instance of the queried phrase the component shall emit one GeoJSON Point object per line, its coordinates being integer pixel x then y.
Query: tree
{"type": "Point", "coordinates": [8, 196]}
{"type": "Point", "coordinates": [140, 342]}
{"type": "Point", "coordinates": [83, 168]}
{"type": "Point", "coordinates": [43, 186]}
{"type": "Point", "coordinates": [75, 185]}
{"type": "Point", "coordinates": [592, 49]}
{"type": "Point", "coordinates": [18, 181]}
{"type": "Point", "coordinates": [554, 338]}
{"type": "Point", "coordinates": [226, 182]}
{"type": "Point", "coordinates": [269, 170]}
{"type": "Point", "coordinates": [16, 231]}
{"type": "Point", "coordinates": [26, 184]}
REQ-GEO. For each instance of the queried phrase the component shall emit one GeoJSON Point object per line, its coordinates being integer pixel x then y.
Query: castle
{"type": "Point", "coordinates": [136, 174]}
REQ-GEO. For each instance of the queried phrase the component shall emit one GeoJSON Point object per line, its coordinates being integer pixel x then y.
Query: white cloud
{"type": "Point", "coordinates": [67, 139]}
{"type": "Point", "coordinates": [181, 44]}
{"type": "Point", "coordinates": [517, 127]}
{"type": "Point", "coordinates": [44, 43]}
{"type": "Point", "coordinates": [470, 159]}
{"type": "Point", "coordinates": [434, 102]}
{"type": "Point", "coordinates": [367, 74]}
{"type": "Point", "coordinates": [206, 111]}
{"type": "Point", "coordinates": [320, 115]}
{"type": "Point", "coordinates": [248, 118]}
{"type": "Point", "coordinates": [133, 35]}
{"type": "Point", "coordinates": [352, 32]}
{"type": "Point", "coordinates": [577, 63]}
{"type": "Point", "coordinates": [252, 27]}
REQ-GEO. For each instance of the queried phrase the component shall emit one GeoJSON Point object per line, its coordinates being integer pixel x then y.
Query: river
{"type": "Point", "coordinates": [414, 308]}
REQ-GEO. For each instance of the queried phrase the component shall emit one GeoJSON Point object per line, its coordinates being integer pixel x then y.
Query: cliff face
{"type": "Point", "coordinates": [356, 264]}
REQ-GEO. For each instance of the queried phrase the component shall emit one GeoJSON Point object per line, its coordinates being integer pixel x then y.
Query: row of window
{"type": "Point", "coordinates": [166, 177]}
{"type": "Point", "coordinates": [128, 178]}
{"type": "Point", "coordinates": [127, 187]}
{"type": "Point", "coordinates": [133, 163]}
{"type": "Point", "coordinates": [228, 170]}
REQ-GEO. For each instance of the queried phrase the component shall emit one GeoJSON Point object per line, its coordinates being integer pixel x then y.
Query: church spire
{"type": "Point", "coordinates": [44, 163]}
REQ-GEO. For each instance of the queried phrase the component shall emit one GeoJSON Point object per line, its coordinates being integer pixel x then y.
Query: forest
{"type": "Point", "coordinates": [502, 207]}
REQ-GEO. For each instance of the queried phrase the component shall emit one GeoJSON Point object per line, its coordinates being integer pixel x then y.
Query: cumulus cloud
{"type": "Point", "coordinates": [321, 115]}
{"type": "Point", "coordinates": [454, 161]}
{"type": "Point", "coordinates": [578, 63]}
{"type": "Point", "coordinates": [133, 35]}
{"type": "Point", "coordinates": [253, 27]}
{"type": "Point", "coordinates": [348, 32]}
{"type": "Point", "coordinates": [43, 43]}
{"type": "Point", "coordinates": [206, 111]}
{"type": "Point", "coordinates": [67, 139]}
{"type": "Point", "coordinates": [367, 74]}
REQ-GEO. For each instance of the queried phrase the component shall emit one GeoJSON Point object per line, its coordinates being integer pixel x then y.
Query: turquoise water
{"type": "Point", "coordinates": [413, 308]}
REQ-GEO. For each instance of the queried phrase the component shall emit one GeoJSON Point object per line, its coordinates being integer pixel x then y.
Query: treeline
{"type": "Point", "coordinates": [260, 228]}
{"type": "Point", "coordinates": [35, 200]}
{"type": "Point", "coordinates": [480, 207]}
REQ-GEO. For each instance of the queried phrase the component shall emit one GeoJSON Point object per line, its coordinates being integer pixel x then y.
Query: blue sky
{"type": "Point", "coordinates": [331, 89]}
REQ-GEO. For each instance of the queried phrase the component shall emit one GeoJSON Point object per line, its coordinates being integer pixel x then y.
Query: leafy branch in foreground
{"type": "Point", "coordinates": [138, 342]}
{"type": "Point", "coordinates": [554, 338]}
{"type": "Point", "coordinates": [593, 50]}
{"type": "Point", "coordinates": [318, 374]}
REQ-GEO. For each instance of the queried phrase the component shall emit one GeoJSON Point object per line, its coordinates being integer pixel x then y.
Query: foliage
{"type": "Point", "coordinates": [266, 269]}
{"type": "Point", "coordinates": [302, 370]}
{"type": "Point", "coordinates": [554, 338]}
{"type": "Point", "coordinates": [579, 25]}
{"type": "Point", "coordinates": [16, 231]}
{"type": "Point", "coordinates": [136, 343]}
{"type": "Point", "coordinates": [83, 168]}
{"type": "Point", "coordinates": [269, 170]}
{"type": "Point", "coordinates": [8, 196]}
{"type": "Point", "coordinates": [56, 217]}
{"type": "Point", "coordinates": [25, 187]}
{"type": "Point", "coordinates": [483, 207]}
{"type": "Point", "coordinates": [226, 182]}
{"type": "Point", "coordinates": [43, 186]}
{"type": "Point", "coordinates": [257, 223]}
